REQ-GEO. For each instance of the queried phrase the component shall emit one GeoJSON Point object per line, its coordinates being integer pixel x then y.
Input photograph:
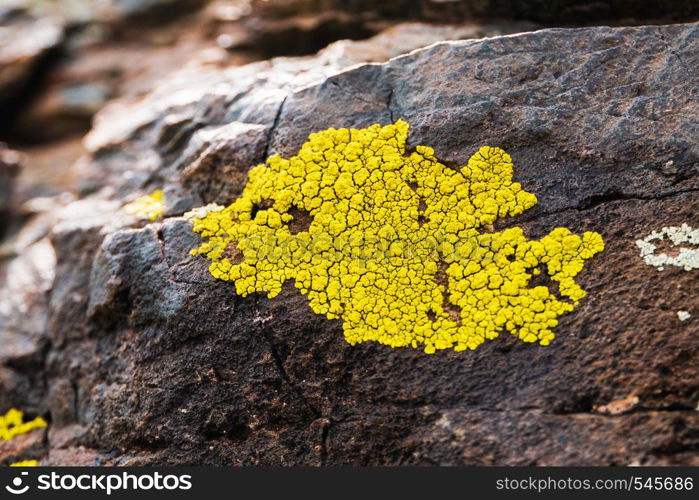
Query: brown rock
{"type": "Point", "coordinates": [75, 457]}
{"type": "Point", "coordinates": [24, 447]}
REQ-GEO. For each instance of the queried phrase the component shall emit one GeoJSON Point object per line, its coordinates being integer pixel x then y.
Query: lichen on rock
{"type": "Point", "coordinates": [25, 463]}
{"type": "Point", "coordinates": [150, 206]}
{"type": "Point", "coordinates": [686, 257]}
{"type": "Point", "coordinates": [12, 424]}
{"type": "Point", "coordinates": [390, 242]}
{"type": "Point", "coordinates": [683, 315]}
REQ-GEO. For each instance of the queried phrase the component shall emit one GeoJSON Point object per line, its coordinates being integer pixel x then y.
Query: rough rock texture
{"type": "Point", "coordinates": [148, 359]}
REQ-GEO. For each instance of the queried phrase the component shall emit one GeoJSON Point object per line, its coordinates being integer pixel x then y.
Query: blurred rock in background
{"type": "Point", "coordinates": [63, 60]}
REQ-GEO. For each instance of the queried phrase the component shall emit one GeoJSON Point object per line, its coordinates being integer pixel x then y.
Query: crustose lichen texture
{"type": "Point", "coordinates": [393, 242]}
{"type": "Point", "coordinates": [149, 206]}
{"type": "Point", "coordinates": [12, 424]}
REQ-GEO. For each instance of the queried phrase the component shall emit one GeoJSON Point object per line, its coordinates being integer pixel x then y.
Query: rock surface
{"type": "Point", "coordinates": [148, 359]}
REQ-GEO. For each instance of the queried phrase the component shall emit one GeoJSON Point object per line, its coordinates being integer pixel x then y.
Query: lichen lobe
{"type": "Point", "coordinates": [390, 242]}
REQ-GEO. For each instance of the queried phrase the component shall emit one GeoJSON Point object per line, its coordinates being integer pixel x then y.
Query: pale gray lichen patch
{"type": "Point", "coordinates": [201, 212]}
{"type": "Point", "coordinates": [685, 257]}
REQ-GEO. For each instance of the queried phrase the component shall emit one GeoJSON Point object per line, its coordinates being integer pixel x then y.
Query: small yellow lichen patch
{"type": "Point", "coordinates": [389, 241]}
{"type": "Point", "coordinates": [12, 424]}
{"type": "Point", "coordinates": [25, 463]}
{"type": "Point", "coordinates": [150, 206]}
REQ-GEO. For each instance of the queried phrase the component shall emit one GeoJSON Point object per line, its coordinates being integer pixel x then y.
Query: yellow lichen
{"type": "Point", "coordinates": [12, 424]}
{"type": "Point", "coordinates": [391, 242]}
{"type": "Point", "coordinates": [25, 463]}
{"type": "Point", "coordinates": [150, 206]}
